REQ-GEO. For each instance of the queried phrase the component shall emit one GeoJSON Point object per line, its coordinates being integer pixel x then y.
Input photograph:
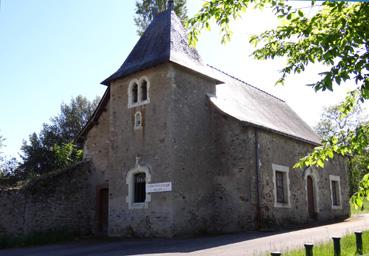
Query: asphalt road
{"type": "Point", "coordinates": [248, 243]}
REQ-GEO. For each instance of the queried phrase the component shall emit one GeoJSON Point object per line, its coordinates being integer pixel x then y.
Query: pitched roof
{"type": "Point", "coordinates": [254, 106]}
{"type": "Point", "coordinates": [164, 40]}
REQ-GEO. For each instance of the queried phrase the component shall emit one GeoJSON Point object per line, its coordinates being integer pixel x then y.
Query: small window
{"type": "Point", "coordinates": [138, 120]}
{"type": "Point", "coordinates": [144, 90]}
{"type": "Point", "coordinates": [335, 191]}
{"type": "Point", "coordinates": [139, 188]}
{"type": "Point", "coordinates": [136, 179]}
{"type": "Point", "coordinates": [138, 92]}
{"type": "Point", "coordinates": [134, 93]}
{"type": "Point", "coordinates": [281, 186]}
{"type": "Point", "coordinates": [279, 176]}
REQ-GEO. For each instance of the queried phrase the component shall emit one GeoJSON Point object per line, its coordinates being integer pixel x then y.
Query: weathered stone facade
{"type": "Point", "coordinates": [209, 157]}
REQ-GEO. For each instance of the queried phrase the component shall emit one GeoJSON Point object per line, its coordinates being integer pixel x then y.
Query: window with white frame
{"type": "Point", "coordinates": [134, 93]}
{"type": "Point", "coordinates": [143, 85]}
{"type": "Point", "coordinates": [138, 120]}
{"type": "Point", "coordinates": [136, 179]}
{"type": "Point", "coordinates": [138, 92]}
{"type": "Point", "coordinates": [139, 187]}
{"type": "Point", "coordinates": [335, 185]}
{"type": "Point", "coordinates": [281, 185]}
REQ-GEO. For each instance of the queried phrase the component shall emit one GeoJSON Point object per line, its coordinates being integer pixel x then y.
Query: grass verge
{"type": "Point", "coordinates": [348, 247]}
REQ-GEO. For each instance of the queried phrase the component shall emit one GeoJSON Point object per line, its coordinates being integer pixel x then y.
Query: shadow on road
{"type": "Point", "coordinates": [115, 247]}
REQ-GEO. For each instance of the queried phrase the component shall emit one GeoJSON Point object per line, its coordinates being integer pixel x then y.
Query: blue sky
{"type": "Point", "coordinates": [51, 51]}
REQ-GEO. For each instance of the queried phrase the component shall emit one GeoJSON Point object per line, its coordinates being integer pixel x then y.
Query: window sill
{"type": "Point", "coordinates": [282, 205]}
{"type": "Point", "coordinates": [139, 104]}
{"type": "Point", "coordinates": [336, 207]}
{"type": "Point", "coordinates": [138, 205]}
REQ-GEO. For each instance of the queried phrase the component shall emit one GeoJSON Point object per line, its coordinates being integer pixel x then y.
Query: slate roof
{"type": "Point", "coordinates": [164, 40]}
{"type": "Point", "coordinates": [259, 108]}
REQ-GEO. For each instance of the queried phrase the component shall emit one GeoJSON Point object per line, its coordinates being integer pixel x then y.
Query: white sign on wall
{"type": "Point", "coordinates": [158, 187]}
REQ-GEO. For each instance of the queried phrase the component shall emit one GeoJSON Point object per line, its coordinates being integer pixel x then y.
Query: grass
{"type": "Point", "coordinates": [360, 211]}
{"type": "Point", "coordinates": [348, 247]}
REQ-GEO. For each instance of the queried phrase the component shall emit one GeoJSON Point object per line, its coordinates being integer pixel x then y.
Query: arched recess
{"type": "Point", "coordinates": [311, 180]}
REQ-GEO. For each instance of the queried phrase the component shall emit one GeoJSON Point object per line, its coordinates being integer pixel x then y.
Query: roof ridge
{"type": "Point", "coordinates": [236, 78]}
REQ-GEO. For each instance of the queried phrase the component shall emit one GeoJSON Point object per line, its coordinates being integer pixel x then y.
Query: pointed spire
{"type": "Point", "coordinates": [170, 5]}
{"type": "Point", "coordinates": [164, 40]}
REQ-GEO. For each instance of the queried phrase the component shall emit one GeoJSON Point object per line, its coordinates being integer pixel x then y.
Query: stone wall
{"type": "Point", "coordinates": [191, 138]}
{"type": "Point", "coordinates": [97, 146]}
{"type": "Point", "coordinates": [59, 201]}
{"type": "Point", "coordinates": [235, 176]}
{"type": "Point", "coordinates": [152, 143]}
{"type": "Point", "coordinates": [235, 181]}
{"type": "Point", "coordinates": [280, 150]}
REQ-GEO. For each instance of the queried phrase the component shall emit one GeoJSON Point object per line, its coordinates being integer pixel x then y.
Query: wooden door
{"type": "Point", "coordinates": [310, 196]}
{"type": "Point", "coordinates": [102, 211]}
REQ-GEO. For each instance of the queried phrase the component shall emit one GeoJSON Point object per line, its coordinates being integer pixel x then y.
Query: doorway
{"type": "Point", "coordinates": [102, 210]}
{"type": "Point", "coordinates": [311, 197]}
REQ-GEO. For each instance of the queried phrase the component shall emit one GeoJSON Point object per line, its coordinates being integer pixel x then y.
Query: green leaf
{"type": "Point", "coordinates": [320, 163]}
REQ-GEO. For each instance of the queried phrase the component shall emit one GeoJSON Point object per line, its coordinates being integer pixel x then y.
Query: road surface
{"type": "Point", "coordinates": [247, 243]}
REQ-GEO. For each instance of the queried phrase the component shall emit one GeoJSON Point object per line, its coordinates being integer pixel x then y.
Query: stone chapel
{"type": "Point", "coordinates": [179, 147]}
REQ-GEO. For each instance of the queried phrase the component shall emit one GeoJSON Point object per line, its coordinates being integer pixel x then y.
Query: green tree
{"type": "Point", "coordinates": [1, 154]}
{"type": "Point", "coordinates": [332, 124]}
{"type": "Point", "coordinates": [355, 142]}
{"type": "Point", "coordinates": [66, 154]}
{"type": "Point", "coordinates": [1, 143]}
{"type": "Point", "coordinates": [7, 165]}
{"type": "Point", "coordinates": [147, 9]}
{"type": "Point", "coordinates": [53, 147]}
{"type": "Point", "coordinates": [336, 35]}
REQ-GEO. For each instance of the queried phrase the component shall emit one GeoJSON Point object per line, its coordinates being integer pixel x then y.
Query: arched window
{"type": "Point", "coordinates": [134, 93]}
{"type": "Point", "coordinates": [138, 92]}
{"type": "Point", "coordinates": [139, 188]}
{"type": "Point", "coordinates": [138, 120]}
{"type": "Point", "coordinates": [136, 179]}
{"type": "Point", "coordinates": [144, 90]}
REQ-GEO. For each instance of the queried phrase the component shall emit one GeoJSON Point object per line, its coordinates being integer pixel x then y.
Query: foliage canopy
{"type": "Point", "coordinates": [332, 123]}
{"type": "Point", "coordinates": [54, 146]}
{"type": "Point", "coordinates": [337, 35]}
{"type": "Point", "coordinates": [1, 142]}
